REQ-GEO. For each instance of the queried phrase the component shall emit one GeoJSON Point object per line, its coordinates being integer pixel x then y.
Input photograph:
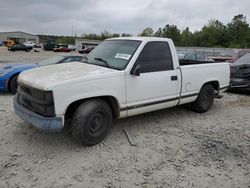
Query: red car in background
{"type": "Point", "coordinates": [86, 50]}
{"type": "Point", "coordinates": [62, 48]}
{"type": "Point", "coordinates": [230, 56]}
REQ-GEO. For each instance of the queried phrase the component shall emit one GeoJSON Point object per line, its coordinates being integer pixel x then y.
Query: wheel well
{"type": "Point", "coordinates": [113, 103]}
{"type": "Point", "coordinates": [8, 84]}
{"type": "Point", "coordinates": [215, 85]}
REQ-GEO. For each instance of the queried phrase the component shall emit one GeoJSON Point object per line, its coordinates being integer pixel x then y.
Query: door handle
{"type": "Point", "coordinates": [174, 78]}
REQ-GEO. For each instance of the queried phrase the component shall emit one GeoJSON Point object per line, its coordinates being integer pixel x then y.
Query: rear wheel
{"type": "Point", "coordinates": [13, 84]}
{"type": "Point", "coordinates": [91, 122]}
{"type": "Point", "coordinates": [205, 99]}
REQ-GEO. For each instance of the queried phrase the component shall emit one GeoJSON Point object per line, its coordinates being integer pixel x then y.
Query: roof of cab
{"type": "Point", "coordinates": [146, 39]}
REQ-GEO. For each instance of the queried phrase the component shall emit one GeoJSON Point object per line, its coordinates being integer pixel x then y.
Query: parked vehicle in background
{"type": "Point", "coordinates": [192, 56]}
{"type": "Point", "coordinates": [9, 43]}
{"type": "Point", "coordinates": [20, 47]}
{"type": "Point", "coordinates": [121, 77]}
{"type": "Point", "coordinates": [230, 56]}
{"type": "Point", "coordinates": [72, 47]}
{"type": "Point", "coordinates": [49, 46]}
{"type": "Point", "coordinates": [61, 48]}
{"type": "Point", "coordinates": [240, 54]}
{"type": "Point", "coordinates": [86, 50]}
{"type": "Point", "coordinates": [225, 56]}
{"type": "Point", "coordinates": [30, 43]}
{"type": "Point", "coordinates": [9, 73]}
{"type": "Point", "coordinates": [240, 74]}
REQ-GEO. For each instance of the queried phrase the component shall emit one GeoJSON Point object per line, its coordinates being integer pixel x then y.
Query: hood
{"type": "Point", "coordinates": [240, 71]}
{"type": "Point", "coordinates": [55, 75]}
{"type": "Point", "coordinates": [18, 66]}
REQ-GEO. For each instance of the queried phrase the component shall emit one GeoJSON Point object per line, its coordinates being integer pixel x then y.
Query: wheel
{"type": "Point", "coordinates": [91, 122]}
{"type": "Point", "coordinates": [205, 99]}
{"type": "Point", "coordinates": [13, 84]}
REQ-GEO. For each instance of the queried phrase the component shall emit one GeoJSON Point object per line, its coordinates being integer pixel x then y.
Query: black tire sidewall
{"type": "Point", "coordinates": [200, 105]}
{"type": "Point", "coordinates": [13, 84]}
{"type": "Point", "coordinates": [82, 119]}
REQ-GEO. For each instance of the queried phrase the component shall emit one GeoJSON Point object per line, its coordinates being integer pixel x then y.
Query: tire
{"type": "Point", "coordinates": [205, 99]}
{"type": "Point", "coordinates": [91, 122]}
{"type": "Point", "coordinates": [13, 84]}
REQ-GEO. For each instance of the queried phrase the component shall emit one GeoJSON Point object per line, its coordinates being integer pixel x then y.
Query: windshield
{"type": "Point", "coordinates": [51, 60]}
{"type": "Point", "coordinates": [114, 54]}
{"type": "Point", "coordinates": [181, 54]}
{"type": "Point", "coordinates": [243, 60]}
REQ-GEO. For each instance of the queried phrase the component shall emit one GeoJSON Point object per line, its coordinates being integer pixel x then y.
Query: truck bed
{"type": "Point", "coordinates": [184, 62]}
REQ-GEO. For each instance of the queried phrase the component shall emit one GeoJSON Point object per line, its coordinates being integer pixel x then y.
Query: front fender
{"type": "Point", "coordinates": [65, 95]}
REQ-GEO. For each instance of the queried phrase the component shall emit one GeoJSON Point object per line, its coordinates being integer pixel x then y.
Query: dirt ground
{"type": "Point", "coordinates": [175, 147]}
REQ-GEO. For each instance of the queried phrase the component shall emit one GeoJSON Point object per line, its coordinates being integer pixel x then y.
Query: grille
{"type": "Point", "coordinates": [36, 100]}
{"type": "Point", "coordinates": [25, 90]}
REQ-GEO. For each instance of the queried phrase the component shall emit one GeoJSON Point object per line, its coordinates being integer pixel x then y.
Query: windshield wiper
{"type": "Point", "coordinates": [104, 61]}
{"type": "Point", "coordinates": [84, 59]}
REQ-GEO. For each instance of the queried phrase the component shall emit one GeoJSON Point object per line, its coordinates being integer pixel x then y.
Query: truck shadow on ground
{"type": "Point", "coordinates": [7, 94]}
{"type": "Point", "coordinates": [242, 93]}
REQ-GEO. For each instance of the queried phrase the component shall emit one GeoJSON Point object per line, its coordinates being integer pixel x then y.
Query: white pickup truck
{"type": "Point", "coordinates": [121, 77]}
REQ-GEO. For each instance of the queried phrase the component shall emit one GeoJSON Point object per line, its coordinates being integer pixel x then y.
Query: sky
{"type": "Point", "coordinates": [61, 17]}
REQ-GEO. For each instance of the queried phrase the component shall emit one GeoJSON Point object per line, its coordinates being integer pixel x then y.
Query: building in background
{"type": "Point", "coordinates": [81, 44]}
{"type": "Point", "coordinates": [18, 36]}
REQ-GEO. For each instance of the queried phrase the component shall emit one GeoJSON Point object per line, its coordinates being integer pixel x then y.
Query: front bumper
{"type": "Point", "coordinates": [240, 87]}
{"type": "Point", "coordinates": [239, 84]}
{"type": "Point", "coordinates": [44, 123]}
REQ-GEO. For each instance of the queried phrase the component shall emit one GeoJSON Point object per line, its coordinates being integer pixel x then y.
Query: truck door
{"type": "Point", "coordinates": [157, 85]}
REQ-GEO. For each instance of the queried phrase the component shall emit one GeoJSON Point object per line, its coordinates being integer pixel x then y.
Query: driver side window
{"type": "Point", "coordinates": [155, 56]}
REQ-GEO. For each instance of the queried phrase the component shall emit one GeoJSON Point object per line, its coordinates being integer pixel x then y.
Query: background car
{"type": "Point", "coordinates": [225, 56]}
{"type": "Point", "coordinates": [230, 56]}
{"type": "Point", "coordinates": [240, 54]}
{"type": "Point", "coordinates": [9, 73]}
{"type": "Point", "coordinates": [86, 50]}
{"type": "Point", "coordinates": [30, 43]}
{"type": "Point", "coordinates": [49, 46]}
{"type": "Point", "coordinates": [20, 47]}
{"type": "Point", "coordinates": [193, 56]}
{"type": "Point", "coordinates": [240, 74]}
{"type": "Point", "coordinates": [62, 48]}
{"type": "Point", "coordinates": [9, 43]}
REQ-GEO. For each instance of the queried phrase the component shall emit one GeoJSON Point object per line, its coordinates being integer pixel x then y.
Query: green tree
{"type": "Point", "coordinates": [171, 31]}
{"type": "Point", "coordinates": [114, 35]}
{"type": "Point", "coordinates": [238, 32]}
{"type": "Point", "coordinates": [159, 33]}
{"type": "Point", "coordinates": [126, 35]}
{"type": "Point", "coordinates": [148, 32]}
{"type": "Point", "coordinates": [186, 37]}
{"type": "Point", "coordinates": [105, 35]}
{"type": "Point", "coordinates": [213, 34]}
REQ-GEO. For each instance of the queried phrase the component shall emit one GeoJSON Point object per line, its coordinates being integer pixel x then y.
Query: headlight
{"type": "Point", "coordinates": [2, 73]}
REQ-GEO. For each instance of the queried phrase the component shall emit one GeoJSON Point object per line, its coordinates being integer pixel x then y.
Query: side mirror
{"type": "Point", "coordinates": [136, 71]}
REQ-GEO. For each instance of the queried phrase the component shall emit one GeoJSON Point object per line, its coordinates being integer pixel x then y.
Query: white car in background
{"type": "Point", "coordinates": [30, 43]}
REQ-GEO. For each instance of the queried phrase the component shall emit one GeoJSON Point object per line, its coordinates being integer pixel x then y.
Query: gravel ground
{"type": "Point", "coordinates": [175, 147]}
